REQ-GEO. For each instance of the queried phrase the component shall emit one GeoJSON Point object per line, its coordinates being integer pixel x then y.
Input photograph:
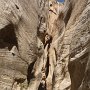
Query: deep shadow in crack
{"type": "Point", "coordinates": [41, 87]}
{"type": "Point", "coordinates": [67, 17]}
{"type": "Point", "coordinates": [30, 74]}
{"type": "Point", "coordinates": [8, 37]}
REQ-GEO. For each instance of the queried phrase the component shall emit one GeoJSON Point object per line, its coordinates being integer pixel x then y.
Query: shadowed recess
{"type": "Point", "coordinates": [8, 37]}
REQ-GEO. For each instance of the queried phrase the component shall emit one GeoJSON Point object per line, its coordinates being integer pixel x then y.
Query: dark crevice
{"type": "Point", "coordinates": [67, 17]}
{"type": "Point", "coordinates": [16, 6]}
{"type": "Point", "coordinates": [30, 74]}
{"type": "Point", "coordinates": [47, 67]}
{"type": "Point", "coordinates": [48, 40]}
{"type": "Point", "coordinates": [8, 37]}
{"type": "Point", "coordinates": [41, 87]}
{"type": "Point", "coordinates": [20, 80]}
{"type": "Point", "coordinates": [53, 12]}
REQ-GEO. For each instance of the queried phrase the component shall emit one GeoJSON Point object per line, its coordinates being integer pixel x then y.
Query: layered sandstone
{"type": "Point", "coordinates": [44, 45]}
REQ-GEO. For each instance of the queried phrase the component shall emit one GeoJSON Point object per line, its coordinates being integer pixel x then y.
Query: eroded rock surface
{"type": "Point", "coordinates": [18, 33]}
{"type": "Point", "coordinates": [44, 45]}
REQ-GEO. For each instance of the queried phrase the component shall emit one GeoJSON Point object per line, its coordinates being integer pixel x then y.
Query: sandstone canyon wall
{"type": "Point", "coordinates": [44, 45]}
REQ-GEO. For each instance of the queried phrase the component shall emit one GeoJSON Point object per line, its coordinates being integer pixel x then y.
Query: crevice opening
{"type": "Point", "coordinates": [8, 37]}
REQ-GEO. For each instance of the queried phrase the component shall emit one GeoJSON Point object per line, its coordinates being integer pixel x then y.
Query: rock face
{"type": "Point", "coordinates": [18, 41]}
{"type": "Point", "coordinates": [79, 58]}
{"type": "Point", "coordinates": [44, 45]}
{"type": "Point", "coordinates": [77, 43]}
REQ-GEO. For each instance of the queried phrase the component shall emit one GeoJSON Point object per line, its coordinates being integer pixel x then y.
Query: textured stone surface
{"type": "Point", "coordinates": [44, 45]}
{"type": "Point", "coordinates": [79, 49]}
{"type": "Point", "coordinates": [18, 31]}
{"type": "Point", "coordinates": [78, 30]}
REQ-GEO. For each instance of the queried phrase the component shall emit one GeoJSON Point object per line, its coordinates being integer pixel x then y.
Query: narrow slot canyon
{"type": "Point", "coordinates": [44, 45]}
